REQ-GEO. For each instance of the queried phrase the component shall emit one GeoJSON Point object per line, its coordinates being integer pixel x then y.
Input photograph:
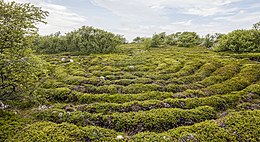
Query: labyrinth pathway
{"type": "Point", "coordinates": [166, 94]}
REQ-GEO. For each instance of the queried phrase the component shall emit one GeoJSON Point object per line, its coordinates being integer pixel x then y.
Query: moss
{"type": "Point", "coordinates": [189, 68]}
{"type": "Point", "coordinates": [58, 94]}
{"type": "Point", "coordinates": [204, 71]}
{"type": "Point", "coordinates": [244, 125]}
{"type": "Point", "coordinates": [51, 83]}
{"type": "Point", "coordinates": [47, 131]}
{"type": "Point", "coordinates": [158, 119]}
{"type": "Point", "coordinates": [221, 74]}
{"type": "Point", "coordinates": [124, 82]}
{"type": "Point", "coordinates": [143, 80]}
{"type": "Point", "coordinates": [111, 89]}
{"type": "Point", "coordinates": [74, 80]}
{"type": "Point", "coordinates": [11, 124]}
{"type": "Point", "coordinates": [248, 75]}
{"type": "Point", "coordinates": [237, 126]}
{"type": "Point", "coordinates": [139, 88]}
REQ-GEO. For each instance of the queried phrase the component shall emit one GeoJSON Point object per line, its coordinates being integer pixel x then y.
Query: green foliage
{"type": "Point", "coordinates": [20, 71]}
{"type": "Point", "coordinates": [158, 40]}
{"type": "Point", "coordinates": [10, 124]}
{"type": "Point", "coordinates": [184, 39]}
{"type": "Point", "coordinates": [188, 39]}
{"type": "Point", "coordinates": [239, 41]}
{"type": "Point", "coordinates": [244, 125]}
{"type": "Point", "coordinates": [239, 82]}
{"type": "Point", "coordinates": [139, 88]}
{"type": "Point", "coordinates": [219, 102]}
{"type": "Point", "coordinates": [47, 131]}
{"type": "Point", "coordinates": [139, 39]}
{"type": "Point", "coordinates": [85, 39]}
{"type": "Point", "coordinates": [238, 126]}
{"type": "Point", "coordinates": [210, 40]}
{"type": "Point", "coordinates": [133, 122]}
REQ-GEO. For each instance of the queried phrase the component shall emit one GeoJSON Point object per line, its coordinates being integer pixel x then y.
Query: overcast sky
{"type": "Point", "coordinates": [133, 18]}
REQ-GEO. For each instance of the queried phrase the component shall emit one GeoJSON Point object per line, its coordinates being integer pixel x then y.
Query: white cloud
{"type": "Point", "coordinates": [145, 17]}
{"type": "Point", "coordinates": [60, 17]}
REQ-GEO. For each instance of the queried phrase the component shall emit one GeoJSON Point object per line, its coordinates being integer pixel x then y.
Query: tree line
{"type": "Point", "coordinates": [236, 41]}
{"type": "Point", "coordinates": [85, 40]}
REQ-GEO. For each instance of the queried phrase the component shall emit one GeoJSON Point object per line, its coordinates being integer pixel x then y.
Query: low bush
{"type": "Point", "coordinates": [248, 75]}
{"type": "Point", "coordinates": [221, 74]}
{"type": "Point", "coordinates": [239, 41]}
{"type": "Point", "coordinates": [140, 88]}
{"type": "Point", "coordinates": [48, 131]}
{"type": "Point", "coordinates": [154, 120]}
{"type": "Point", "coordinates": [237, 126]}
{"type": "Point", "coordinates": [11, 124]}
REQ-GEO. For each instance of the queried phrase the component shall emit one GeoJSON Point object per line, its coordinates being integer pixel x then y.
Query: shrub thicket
{"type": "Point", "coordinates": [85, 40]}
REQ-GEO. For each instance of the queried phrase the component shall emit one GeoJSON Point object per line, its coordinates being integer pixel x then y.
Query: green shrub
{"type": "Point", "coordinates": [221, 74]}
{"type": "Point", "coordinates": [111, 89]}
{"type": "Point", "coordinates": [217, 102]}
{"type": "Point", "coordinates": [189, 68]}
{"type": "Point", "coordinates": [237, 126]}
{"type": "Point", "coordinates": [139, 88]}
{"type": "Point", "coordinates": [133, 122]}
{"type": "Point", "coordinates": [158, 119]}
{"type": "Point", "coordinates": [74, 80]}
{"type": "Point", "coordinates": [11, 124]}
{"type": "Point", "coordinates": [188, 39]}
{"type": "Point", "coordinates": [51, 83]}
{"type": "Point", "coordinates": [247, 75]}
{"type": "Point", "coordinates": [239, 41]}
{"type": "Point", "coordinates": [123, 82]}
{"type": "Point", "coordinates": [58, 94]}
{"type": "Point", "coordinates": [244, 125]}
{"type": "Point", "coordinates": [47, 131]}
{"type": "Point", "coordinates": [85, 40]}
{"type": "Point", "coordinates": [204, 71]}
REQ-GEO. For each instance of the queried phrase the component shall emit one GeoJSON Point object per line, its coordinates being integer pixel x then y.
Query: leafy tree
{"type": "Point", "coordinates": [256, 30]}
{"type": "Point", "coordinates": [137, 40]}
{"type": "Point", "coordinates": [188, 39]}
{"type": "Point", "coordinates": [19, 69]}
{"type": "Point", "coordinates": [172, 39]}
{"type": "Point", "coordinates": [256, 26]}
{"type": "Point", "coordinates": [210, 40]}
{"type": "Point", "coordinates": [239, 41]}
{"type": "Point", "coordinates": [85, 39]}
{"type": "Point", "coordinates": [158, 40]}
{"type": "Point", "coordinates": [147, 43]}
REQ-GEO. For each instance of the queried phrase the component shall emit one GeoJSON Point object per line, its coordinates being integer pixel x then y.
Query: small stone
{"type": "Point", "coordinates": [131, 67]}
{"type": "Point", "coordinates": [119, 137]}
{"type": "Point", "coordinates": [60, 114]}
{"type": "Point", "coordinates": [167, 105]}
{"type": "Point", "coordinates": [102, 78]}
{"type": "Point", "coordinates": [42, 107]}
{"type": "Point", "coordinates": [71, 60]}
{"type": "Point", "coordinates": [63, 59]}
{"type": "Point", "coordinates": [6, 106]}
